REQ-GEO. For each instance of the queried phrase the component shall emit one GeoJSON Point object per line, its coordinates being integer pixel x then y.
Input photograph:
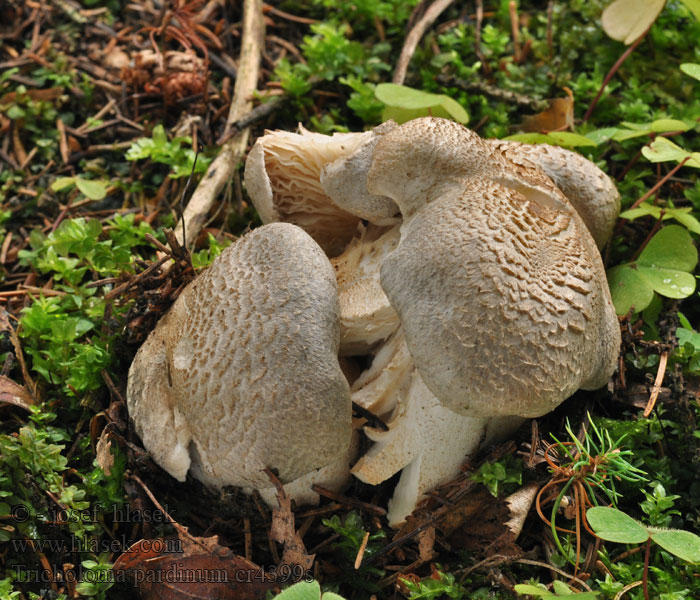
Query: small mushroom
{"type": "Point", "coordinates": [497, 282]}
{"type": "Point", "coordinates": [242, 373]}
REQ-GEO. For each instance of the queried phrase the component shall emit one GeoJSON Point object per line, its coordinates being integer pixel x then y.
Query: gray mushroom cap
{"type": "Point", "coordinates": [591, 192]}
{"type": "Point", "coordinates": [345, 181]}
{"type": "Point", "coordinates": [243, 369]}
{"type": "Point", "coordinates": [499, 288]}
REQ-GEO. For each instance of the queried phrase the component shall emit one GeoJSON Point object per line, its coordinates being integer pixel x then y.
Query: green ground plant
{"type": "Point", "coordinates": [644, 126]}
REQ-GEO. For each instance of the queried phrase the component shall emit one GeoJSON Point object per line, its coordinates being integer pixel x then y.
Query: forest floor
{"type": "Point", "coordinates": [112, 111]}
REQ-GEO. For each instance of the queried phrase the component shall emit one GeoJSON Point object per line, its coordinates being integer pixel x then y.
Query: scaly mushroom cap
{"type": "Point", "coordinates": [501, 295]}
{"type": "Point", "coordinates": [427, 157]}
{"type": "Point", "coordinates": [244, 367]}
{"type": "Point", "coordinates": [591, 192]}
{"type": "Point", "coordinates": [334, 477]}
{"type": "Point", "coordinates": [282, 176]}
{"type": "Point", "coordinates": [366, 317]}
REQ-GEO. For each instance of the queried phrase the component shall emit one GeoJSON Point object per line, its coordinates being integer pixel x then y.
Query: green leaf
{"type": "Point", "coordinates": [602, 135]}
{"type": "Point", "coordinates": [533, 590]}
{"type": "Point", "coordinates": [679, 214]}
{"type": "Point", "coordinates": [626, 20]}
{"type": "Point", "coordinates": [629, 289]}
{"type": "Point", "coordinates": [62, 183]}
{"type": "Point", "coordinates": [561, 588]}
{"type": "Point", "coordinates": [566, 138]}
{"type": "Point", "coordinates": [666, 125]}
{"type": "Point", "coordinates": [643, 210]}
{"type": "Point", "coordinates": [664, 266]}
{"type": "Point", "coordinates": [688, 221]}
{"type": "Point", "coordinates": [688, 336]}
{"type": "Point", "coordinates": [613, 525]}
{"type": "Point", "coordinates": [405, 103]}
{"type": "Point", "coordinates": [683, 544]}
{"type": "Point", "coordinates": [670, 283]}
{"type": "Point", "coordinates": [555, 138]}
{"type": "Point", "coordinates": [663, 149]}
{"type": "Point", "coordinates": [693, 6]}
{"type": "Point", "coordinates": [692, 69]}
{"type": "Point", "coordinates": [529, 138]}
{"type": "Point", "coordinates": [91, 188]}
{"type": "Point", "coordinates": [304, 590]}
{"type": "Point", "coordinates": [670, 248]}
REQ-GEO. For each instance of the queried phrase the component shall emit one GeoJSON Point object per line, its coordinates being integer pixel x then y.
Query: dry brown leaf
{"type": "Point", "coordinates": [15, 394]}
{"type": "Point", "coordinates": [283, 531]}
{"type": "Point", "coordinates": [426, 544]}
{"type": "Point", "coordinates": [47, 95]}
{"type": "Point", "coordinates": [558, 117]}
{"type": "Point", "coordinates": [198, 569]}
{"type": "Point", "coordinates": [519, 504]}
{"type": "Point", "coordinates": [480, 522]}
{"type": "Point", "coordinates": [103, 453]}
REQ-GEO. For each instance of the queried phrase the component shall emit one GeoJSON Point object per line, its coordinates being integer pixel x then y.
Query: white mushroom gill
{"type": "Point", "coordinates": [282, 176]}
{"type": "Point", "coordinates": [366, 317]}
{"type": "Point", "coordinates": [426, 441]}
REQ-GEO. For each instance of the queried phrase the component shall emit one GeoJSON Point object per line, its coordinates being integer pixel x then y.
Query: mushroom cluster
{"type": "Point", "coordinates": [448, 284]}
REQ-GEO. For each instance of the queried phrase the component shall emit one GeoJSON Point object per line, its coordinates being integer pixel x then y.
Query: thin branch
{"type": "Point", "coordinates": [612, 72]}
{"type": "Point", "coordinates": [414, 36]}
{"type": "Point", "coordinates": [222, 168]}
{"type": "Point", "coordinates": [657, 384]}
{"type": "Point", "coordinates": [653, 190]}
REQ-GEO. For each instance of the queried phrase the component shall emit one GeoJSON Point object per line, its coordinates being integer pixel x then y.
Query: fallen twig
{"type": "Point", "coordinates": [657, 384]}
{"type": "Point", "coordinates": [221, 169]}
{"type": "Point", "coordinates": [414, 36]}
{"type": "Point", "coordinates": [258, 113]}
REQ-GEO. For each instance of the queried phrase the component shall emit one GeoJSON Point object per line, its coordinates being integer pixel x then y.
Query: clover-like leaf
{"type": "Point", "coordinates": [613, 525]}
{"type": "Point", "coordinates": [92, 188]}
{"type": "Point", "coordinates": [692, 69]}
{"type": "Point", "coordinates": [404, 103]}
{"type": "Point", "coordinates": [629, 289]}
{"type": "Point", "coordinates": [665, 266]}
{"type": "Point", "coordinates": [683, 544]}
{"type": "Point", "coordinates": [670, 248]}
{"type": "Point", "coordinates": [663, 149]}
{"type": "Point", "coordinates": [693, 6]}
{"type": "Point", "coordinates": [626, 20]}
